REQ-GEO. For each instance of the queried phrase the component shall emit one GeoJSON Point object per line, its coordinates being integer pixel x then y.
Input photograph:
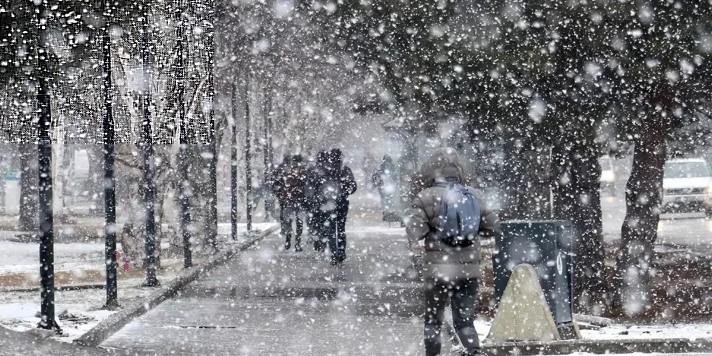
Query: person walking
{"type": "Point", "coordinates": [384, 179]}
{"type": "Point", "coordinates": [288, 186]}
{"type": "Point", "coordinates": [335, 187]}
{"type": "Point", "coordinates": [315, 217]}
{"type": "Point", "coordinates": [449, 217]}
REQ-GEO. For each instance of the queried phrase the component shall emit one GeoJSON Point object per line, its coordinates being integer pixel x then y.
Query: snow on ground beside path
{"type": "Point", "coordinates": [684, 331]}
{"type": "Point", "coordinates": [18, 309]}
{"type": "Point", "coordinates": [20, 257]}
{"type": "Point", "coordinates": [636, 354]}
{"type": "Point", "coordinates": [615, 332]}
{"type": "Point", "coordinates": [17, 257]}
{"type": "Point", "coordinates": [226, 228]}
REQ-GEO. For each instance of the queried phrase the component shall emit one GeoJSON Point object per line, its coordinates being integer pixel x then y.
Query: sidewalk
{"type": "Point", "coordinates": [271, 302]}
{"type": "Point", "coordinates": [80, 277]}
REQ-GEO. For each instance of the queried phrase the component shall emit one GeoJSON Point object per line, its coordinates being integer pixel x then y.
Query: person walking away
{"type": "Point", "coordinates": [337, 185]}
{"type": "Point", "coordinates": [384, 179]}
{"type": "Point", "coordinates": [450, 217]}
{"type": "Point", "coordinates": [288, 187]}
{"type": "Point", "coordinates": [367, 165]}
{"type": "Point", "coordinates": [315, 177]}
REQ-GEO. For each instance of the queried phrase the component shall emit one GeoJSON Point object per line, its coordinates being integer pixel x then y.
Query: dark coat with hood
{"type": "Point", "coordinates": [289, 184]}
{"type": "Point", "coordinates": [441, 261]}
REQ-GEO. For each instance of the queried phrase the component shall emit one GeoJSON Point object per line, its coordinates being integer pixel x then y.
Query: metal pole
{"type": "Point", "coordinates": [233, 165]}
{"type": "Point", "coordinates": [148, 184]}
{"type": "Point", "coordinates": [184, 164]}
{"type": "Point", "coordinates": [46, 228]}
{"type": "Point", "coordinates": [109, 179]}
{"type": "Point", "coordinates": [248, 169]}
{"type": "Point", "coordinates": [213, 231]}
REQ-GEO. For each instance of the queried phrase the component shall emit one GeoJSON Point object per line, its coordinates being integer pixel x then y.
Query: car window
{"type": "Point", "coordinates": [686, 170]}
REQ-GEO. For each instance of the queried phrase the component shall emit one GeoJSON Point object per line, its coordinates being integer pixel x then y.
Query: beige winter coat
{"type": "Point", "coordinates": [441, 261]}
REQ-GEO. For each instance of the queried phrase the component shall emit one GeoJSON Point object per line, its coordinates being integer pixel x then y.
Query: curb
{"type": "Point", "coordinates": [614, 346]}
{"type": "Point", "coordinates": [56, 288]}
{"type": "Point", "coordinates": [102, 331]}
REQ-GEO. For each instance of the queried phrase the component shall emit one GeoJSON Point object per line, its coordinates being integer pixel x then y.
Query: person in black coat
{"type": "Point", "coordinates": [337, 185]}
{"type": "Point", "coordinates": [288, 185]}
{"type": "Point", "coordinates": [315, 217]}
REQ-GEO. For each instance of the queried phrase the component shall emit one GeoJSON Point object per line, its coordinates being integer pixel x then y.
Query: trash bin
{"type": "Point", "coordinates": [546, 245]}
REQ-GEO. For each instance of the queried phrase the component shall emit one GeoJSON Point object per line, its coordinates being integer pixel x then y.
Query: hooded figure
{"type": "Point", "coordinates": [422, 178]}
{"type": "Point", "coordinates": [338, 183]}
{"type": "Point", "coordinates": [448, 270]}
{"type": "Point", "coordinates": [385, 180]}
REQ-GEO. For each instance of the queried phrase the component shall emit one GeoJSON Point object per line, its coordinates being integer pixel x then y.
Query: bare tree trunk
{"type": "Point", "coordinates": [576, 197]}
{"type": "Point", "coordinates": [589, 287]}
{"type": "Point", "coordinates": [525, 184]}
{"type": "Point", "coordinates": [639, 230]}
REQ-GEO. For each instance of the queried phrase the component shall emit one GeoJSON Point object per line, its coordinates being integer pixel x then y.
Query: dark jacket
{"type": "Point", "coordinates": [441, 261]}
{"type": "Point", "coordinates": [348, 183]}
{"type": "Point", "coordinates": [288, 185]}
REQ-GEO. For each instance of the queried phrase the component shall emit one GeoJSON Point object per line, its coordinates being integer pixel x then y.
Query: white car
{"type": "Point", "coordinates": [687, 186]}
{"type": "Point", "coordinates": [608, 175]}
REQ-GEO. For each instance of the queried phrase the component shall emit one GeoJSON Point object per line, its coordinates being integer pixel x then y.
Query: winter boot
{"type": "Point", "coordinates": [298, 244]}
{"type": "Point", "coordinates": [287, 245]}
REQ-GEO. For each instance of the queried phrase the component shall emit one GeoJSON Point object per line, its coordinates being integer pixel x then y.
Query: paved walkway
{"type": "Point", "coordinates": [272, 302]}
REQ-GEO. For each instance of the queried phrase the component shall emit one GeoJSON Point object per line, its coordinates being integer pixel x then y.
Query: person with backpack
{"type": "Point", "coordinates": [450, 217]}
{"type": "Point", "coordinates": [288, 186]}
{"type": "Point", "coordinates": [335, 187]}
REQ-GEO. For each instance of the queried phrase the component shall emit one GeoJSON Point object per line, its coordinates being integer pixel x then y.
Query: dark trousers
{"type": "Point", "coordinates": [314, 221]}
{"type": "Point", "coordinates": [334, 233]}
{"type": "Point", "coordinates": [287, 216]}
{"type": "Point", "coordinates": [463, 294]}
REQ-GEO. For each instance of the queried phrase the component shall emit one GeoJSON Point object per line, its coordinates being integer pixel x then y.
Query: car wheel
{"type": "Point", "coordinates": [708, 213]}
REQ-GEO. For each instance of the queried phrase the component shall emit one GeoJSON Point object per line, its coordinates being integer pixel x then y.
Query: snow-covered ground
{"type": "Point", "coordinates": [18, 310]}
{"type": "Point", "coordinates": [19, 268]}
{"type": "Point", "coordinates": [682, 331]}
{"type": "Point", "coordinates": [17, 257]}
{"type": "Point", "coordinates": [628, 332]}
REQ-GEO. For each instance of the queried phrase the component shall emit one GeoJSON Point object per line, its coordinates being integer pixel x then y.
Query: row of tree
{"type": "Point", "coordinates": [546, 80]}
{"type": "Point", "coordinates": [550, 82]}
{"type": "Point", "coordinates": [270, 51]}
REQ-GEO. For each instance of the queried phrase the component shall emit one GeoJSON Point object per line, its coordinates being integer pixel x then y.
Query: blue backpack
{"type": "Point", "coordinates": [459, 216]}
